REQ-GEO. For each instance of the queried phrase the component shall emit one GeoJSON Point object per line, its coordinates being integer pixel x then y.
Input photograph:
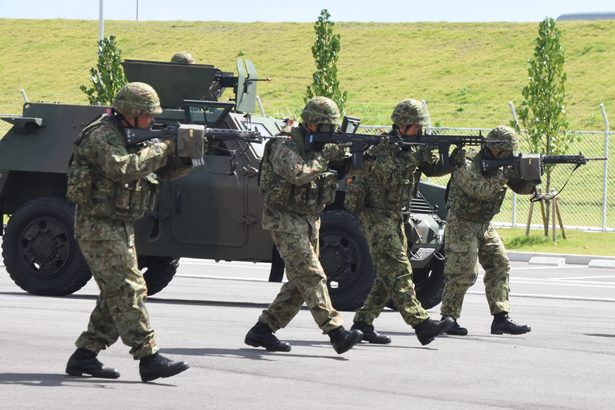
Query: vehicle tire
{"type": "Point", "coordinates": [158, 271]}
{"type": "Point", "coordinates": [345, 258]}
{"type": "Point", "coordinates": [428, 283]}
{"type": "Point", "coordinates": [40, 251]}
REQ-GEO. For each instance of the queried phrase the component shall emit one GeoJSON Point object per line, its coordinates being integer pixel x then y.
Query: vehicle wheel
{"type": "Point", "coordinates": [344, 256]}
{"type": "Point", "coordinates": [429, 282]}
{"type": "Point", "coordinates": [159, 271]}
{"type": "Point", "coordinates": [39, 249]}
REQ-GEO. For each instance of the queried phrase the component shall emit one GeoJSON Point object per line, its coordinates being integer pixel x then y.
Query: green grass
{"type": "Point", "coordinates": [468, 72]}
{"type": "Point", "coordinates": [577, 242]}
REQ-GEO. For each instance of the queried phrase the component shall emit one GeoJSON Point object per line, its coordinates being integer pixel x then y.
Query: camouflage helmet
{"type": "Point", "coordinates": [502, 138]}
{"type": "Point", "coordinates": [408, 112]}
{"type": "Point", "coordinates": [136, 99]}
{"type": "Point", "coordinates": [183, 57]}
{"type": "Point", "coordinates": [321, 110]}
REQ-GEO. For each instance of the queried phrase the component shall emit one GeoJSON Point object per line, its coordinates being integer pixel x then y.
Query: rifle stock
{"type": "Point", "coordinates": [136, 136]}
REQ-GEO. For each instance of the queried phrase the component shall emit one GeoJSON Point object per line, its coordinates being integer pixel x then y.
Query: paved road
{"type": "Point", "coordinates": [567, 361]}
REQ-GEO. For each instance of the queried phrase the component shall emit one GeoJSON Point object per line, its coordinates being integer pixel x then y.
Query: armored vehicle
{"type": "Point", "coordinates": [212, 213]}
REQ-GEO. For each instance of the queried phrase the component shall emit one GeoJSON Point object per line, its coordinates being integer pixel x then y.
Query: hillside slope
{"type": "Point", "coordinates": [468, 72]}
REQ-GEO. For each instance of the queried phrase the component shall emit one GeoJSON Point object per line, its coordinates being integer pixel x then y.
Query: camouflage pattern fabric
{"type": "Point", "coordinates": [466, 244]}
{"type": "Point", "coordinates": [388, 246]}
{"type": "Point", "coordinates": [321, 110]}
{"type": "Point", "coordinates": [473, 200]}
{"type": "Point", "coordinates": [136, 99]}
{"type": "Point", "coordinates": [395, 174]}
{"type": "Point", "coordinates": [386, 191]}
{"type": "Point", "coordinates": [295, 234]}
{"type": "Point", "coordinates": [294, 181]}
{"type": "Point", "coordinates": [120, 308]}
{"type": "Point", "coordinates": [122, 182]}
{"type": "Point", "coordinates": [408, 112]}
{"type": "Point", "coordinates": [503, 138]}
{"type": "Point", "coordinates": [306, 279]}
{"type": "Point", "coordinates": [182, 57]}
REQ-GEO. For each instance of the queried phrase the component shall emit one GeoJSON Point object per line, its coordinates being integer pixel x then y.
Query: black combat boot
{"type": "Point", "coordinates": [456, 330]}
{"type": "Point", "coordinates": [156, 365]}
{"type": "Point", "coordinates": [261, 336]}
{"type": "Point", "coordinates": [84, 362]}
{"type": "Point", "coordinates": [342, 340]}
{"type": "Point", "coordinates": [370, 335]}
{"type": "Point", "coordinates": [429, 329]}
{"type": "Point", "coordinates": [502, 323]}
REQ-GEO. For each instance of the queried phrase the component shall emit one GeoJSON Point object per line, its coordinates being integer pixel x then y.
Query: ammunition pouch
{"type": "Point", "coordinates": [310, 198]}
{"type": "Point", "coordinates": [395, 194]}
{"type": "Point", "coordinates": [79, 185]}
{"type": "Point", "coordinates": [126, 201]}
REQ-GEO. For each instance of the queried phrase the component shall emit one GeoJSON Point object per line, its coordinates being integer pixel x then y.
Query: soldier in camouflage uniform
{"type": "Point", "coordinates": [473, 200]}
{"type": "Point", "coordinates": [113, 185]}
{"type": "Point", "coordinates": [378, 200]}
{"type": "Point", "coordinates": [183, 57]}
{"type": "Point", "coordinates": [296, 186]}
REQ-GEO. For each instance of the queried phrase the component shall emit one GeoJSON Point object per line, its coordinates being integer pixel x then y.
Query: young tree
{"type": "Point", "coordinates": [542, 112]}
{"type": "Point", "coordinates": [108, 76]}
{"type": "Point", "coordinates": [326, 50]}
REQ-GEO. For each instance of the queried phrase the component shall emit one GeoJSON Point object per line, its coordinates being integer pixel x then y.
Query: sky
{"type": "Point", "coordinates": [304, 10]}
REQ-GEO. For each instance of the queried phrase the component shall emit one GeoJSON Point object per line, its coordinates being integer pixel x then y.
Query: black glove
{"type": "Point", "coordinates": [458, 157]}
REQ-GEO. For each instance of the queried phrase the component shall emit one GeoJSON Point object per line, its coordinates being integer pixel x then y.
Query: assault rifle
{"type": "Point", "coordinates": [359, 142]}
{"type": "Point", "coordinates": [189, 138]}
{"type": "Point", "coordinates": [347, 135]}
{"type": "Point", "coordinates": [443, 143]}
{"type": "Point", "coordinates": [531, 166]}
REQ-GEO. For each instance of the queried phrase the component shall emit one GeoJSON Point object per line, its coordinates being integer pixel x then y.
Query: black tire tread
{"type": "Point", "coordinates": [73, 277]}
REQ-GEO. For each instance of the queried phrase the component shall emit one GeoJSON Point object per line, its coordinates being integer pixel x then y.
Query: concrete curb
{"type": "Point", "coordinates": [593, 261]}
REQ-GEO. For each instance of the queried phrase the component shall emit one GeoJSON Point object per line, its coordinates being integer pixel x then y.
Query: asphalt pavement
{"type": "Point", "coordinates": [567, 361]}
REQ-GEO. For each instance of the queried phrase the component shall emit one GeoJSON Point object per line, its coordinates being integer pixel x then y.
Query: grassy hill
{"type": "Point", "coordinates": [468, 72]}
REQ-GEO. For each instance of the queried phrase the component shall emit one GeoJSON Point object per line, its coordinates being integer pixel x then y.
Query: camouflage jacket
{"type": "Point", "coordinates": [392, 178]}
{"type": "Point", "coordinates": [477, 197]}
{"type": "Point", "coordinates": [106, 179]}
{"type": "Point", "coordinates": [293, 183]}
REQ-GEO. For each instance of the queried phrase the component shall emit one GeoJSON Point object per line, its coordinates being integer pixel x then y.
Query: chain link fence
{"type": "Point", "coordinates": [585, 196]}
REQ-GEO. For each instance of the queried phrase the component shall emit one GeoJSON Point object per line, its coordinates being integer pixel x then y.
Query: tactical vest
{"type": "Point", "coordinates": [469, 207]}
{"type": "Point", "coordinates": [395, 176]}
{"type": "Point", "coordinates": [99, 196]}
{"type": "Point", "coordinates": [279, 194]}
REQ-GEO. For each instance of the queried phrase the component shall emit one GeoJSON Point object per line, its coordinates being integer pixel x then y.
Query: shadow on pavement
{"type": "Point", "coordinates": [255, 353]}
{"type": "Point", "coordinates": [56, 379]}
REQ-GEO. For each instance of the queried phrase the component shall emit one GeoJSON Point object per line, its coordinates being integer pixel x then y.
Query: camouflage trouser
{"type": "Point", "coordinates": [306, 283]}
{"type": "Point", "coordinates": [120, 308]}
{"type": "Point", "coordinates": [388, 246]}
{"type": "Point", "coordinates": [466, 243]}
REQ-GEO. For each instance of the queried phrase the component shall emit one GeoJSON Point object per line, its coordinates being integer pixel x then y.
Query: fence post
{"type": "Point", "coordinates": [513, 221]}
{"type": "Point", "coordinates": [606, 166]}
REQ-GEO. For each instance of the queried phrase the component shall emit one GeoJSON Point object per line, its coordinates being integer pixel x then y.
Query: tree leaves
{"type": "Point", "coordinates": [108, 76]}
{"type": "Point", "coordinates": [326, 50]}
